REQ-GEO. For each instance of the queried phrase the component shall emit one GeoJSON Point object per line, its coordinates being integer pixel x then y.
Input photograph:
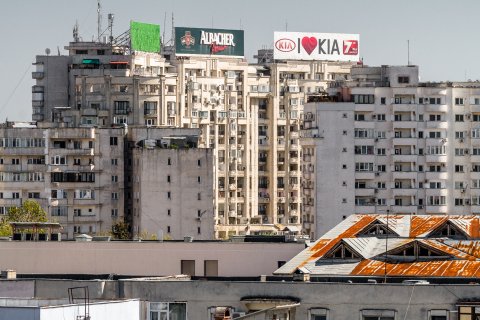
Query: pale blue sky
{"type": "Point", "coordinates": [443, 34]}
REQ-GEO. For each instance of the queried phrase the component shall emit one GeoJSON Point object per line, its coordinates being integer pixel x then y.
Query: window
{"type": "Point", "coordinates": [187, 267]}
{"type": "Point", "coordinates": [459, 118]}
{"type": "Point", "coordinates": [168, 179]}
{"type": "Point", "coordinates": [459, 101]}
{"type": "Point", "coordinates": [381, 168]}
{"type": "Point", "coordinates": [435, 117]}
{"type": "Point", "coordinates": [114, 162]}
{"type": "Point", "coordinates": [169, 212]}
{"type": "Point", "coordinates": [403, 79]}
{"type": "Point", "coordinates": [76, 161]}
{"type": "Point", "coordinates": [364, 98]}
{"type": "Point", "coordinates": [34, 195]}
{"type": "Point", "coordinates": [59, 160]}
{"type": "Point", "coordinates": [199, 162]}
{"type": "Point", "coordinates": [468, 313]}
{"type": "Point", "coordinates": [114, 195]}
{"type": "Point", "coordinates": [15, 195]}
{"type": "Point", "coordinates": [434, 134]}
{"type": "Point", "coordinates": [378, 314]}
{"type": "Point", "coordinates": [121, 107]}
{"type": "Point", "coordinates": [363, 149]}
{"type": "Point", "coordinates": [169, 161]}
{"type": "Point", "coordinates": [459, 151]}
{"type": "Point", "coordinates": [167, 311]}
{"type": "Point", "coordinates": [210, 268]}
{"type": "Point", "coordinates": [437, 200]}
{"type": "Point", "coordinates": [15, 161]}
{"type": "Point", "coordinates": [364, 166]}
{"type": "Point", "coordinates": [318, 314]}
{"type": "Point", "coordinates": [199, 179]}
{"type": "Point", "coordinates": [199, 196]}
{"type": "Point", "coordinates": [113, 141]}
{"type": "Point", "coordinates": [149, 107]}
{"type": "Point", "coordinates": [460, 134]}
{"type": "Point", "coordinates": [114, 178]}
{"type": "Point", "coordinates": [114, 212]}
{"type": "Point", "coordinates": [359, 117]}
{"type": "Point", "coordinates": [458, 202]}
{"type": "Point", "coordinates": [169, 195]}
{"type": "Point", "coordinates": [383, 100]}
{"type": "Point", "coordinates": [458, 168]}
{"type": "Point", "coordinates": [381, 117]}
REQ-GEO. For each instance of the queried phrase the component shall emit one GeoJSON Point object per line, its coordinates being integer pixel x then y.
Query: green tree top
{"type": "Point", "coordinates": [30, 211]}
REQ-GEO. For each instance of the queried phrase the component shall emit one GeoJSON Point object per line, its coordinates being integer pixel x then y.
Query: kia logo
{"type": "Point", "coordinates": [285, 45]}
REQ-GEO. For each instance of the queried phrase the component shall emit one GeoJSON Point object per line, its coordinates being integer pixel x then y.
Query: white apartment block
{"type": "Point", "coordinates": [75, 174]}
{"type": "Point", "coordinates": [399, 146]}
{"type": "Point", "coordinates": [249, 115]}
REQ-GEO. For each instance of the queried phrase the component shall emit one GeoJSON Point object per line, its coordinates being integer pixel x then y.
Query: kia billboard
{"type": "Point", "coordinates": [316, 46]}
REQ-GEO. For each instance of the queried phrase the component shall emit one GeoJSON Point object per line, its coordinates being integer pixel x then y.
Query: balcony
{"type": "Point", "coordinates": [436, 158]}
{"type": "Point", "coordinates": [74, 152]}
{"type": "Point", "coordinates": [438, 108]}
{"type": "Point", "coordinates": [405, 124]}
{"type": "Point", "coordinates": [433, 175]}
{"type": "Point", "coordinates": [405, 141]}
{"type": "Point", "coordinates": [22, 151]}
{"type": "Point", "coordinates": [404, 175]}
{"type": "Point", "coordinates": [37, 75]}
{"type": "Point", "coordinates": [365, 192]}
{"type": "Point", "coordinates": [407, 209]}
{"type": "Point", "coordinates": [437, 124]}
{"type": "Point", "coordinates": [404, 157]}
{"type": "Point", "coordinates": [404, 107]}
{"type": "Point", "coordinates": [404, 192]}
{"type": "Point", "coordinates": [436, 209]}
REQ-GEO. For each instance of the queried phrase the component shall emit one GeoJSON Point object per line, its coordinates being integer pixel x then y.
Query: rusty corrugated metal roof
{"type": "Point", "coordinates": [462, 258]}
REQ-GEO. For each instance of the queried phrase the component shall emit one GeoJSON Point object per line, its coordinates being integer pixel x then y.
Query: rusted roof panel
{"type": "Point", "coordinates": [423, 225]}
{"type": "Point", "coordinates": [453, 268]}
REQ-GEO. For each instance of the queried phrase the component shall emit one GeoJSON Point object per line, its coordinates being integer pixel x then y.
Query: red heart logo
{"type": "Point", "coordinates": [309, 44]}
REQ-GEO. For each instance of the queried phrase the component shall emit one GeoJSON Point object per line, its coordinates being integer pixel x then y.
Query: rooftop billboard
{"type": "Point", "coordinates": [144, 37]}
{"type": "Point", "coordinates": [204, 41]}
{"type": "Point", "coordinates": [316, 46]}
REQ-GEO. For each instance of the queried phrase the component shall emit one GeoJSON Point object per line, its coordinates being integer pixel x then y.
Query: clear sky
{"type": "Point", "coordinates": [443, 34]}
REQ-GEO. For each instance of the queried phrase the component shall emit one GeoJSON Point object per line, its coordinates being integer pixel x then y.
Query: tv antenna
{"type": "Point", "coordinates": [99, 21]}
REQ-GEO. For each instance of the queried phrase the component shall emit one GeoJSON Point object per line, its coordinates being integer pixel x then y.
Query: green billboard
{"type": "Point", "coordinates": [204, 41]}
{"type": "Point", "coordinates": [144, 37]}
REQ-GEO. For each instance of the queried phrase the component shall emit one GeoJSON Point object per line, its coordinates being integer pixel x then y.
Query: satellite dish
{"type": "Point", "coordinates": [47, 51]}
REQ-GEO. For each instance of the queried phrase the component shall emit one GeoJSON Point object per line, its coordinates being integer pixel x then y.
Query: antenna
{"type": "Point", "coordinates": [286, 25]}
{"type": "Point", "coordinates": [99, 21]}
{"type": "Point", "coordinates": [408, 52]}
{"type": "Point", "coordinates": [164, 27]}
{"type": "Point", "coordinates": [75, 32]}
{"type": "Point", "coordinates": [173, 31]}
{"type": "Point", "coordinates": [110, 26]}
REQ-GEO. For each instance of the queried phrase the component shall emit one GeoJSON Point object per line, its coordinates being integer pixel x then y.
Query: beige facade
{"type": "Point", "coordinates": [249, 115]}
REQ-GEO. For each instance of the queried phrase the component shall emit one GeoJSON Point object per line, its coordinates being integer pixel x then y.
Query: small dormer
{"type": "Point", "coordinates": [342, 251]}
{"type": "Point", "coordinates": [376, 229]}
{"type": "Point", "coordinates": [448, 230]}
{"type": "Point", "coordinates": [415, 251]}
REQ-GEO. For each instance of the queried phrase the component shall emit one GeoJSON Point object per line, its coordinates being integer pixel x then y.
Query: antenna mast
{"type": "Point", "coordinates": [110, 26]}
{"type": "Point", "coordinates": [99, 21]}
{"type": "Point", "coordinates": [164, 27]}
{"type": "Point", "coordinates": [173, 31]}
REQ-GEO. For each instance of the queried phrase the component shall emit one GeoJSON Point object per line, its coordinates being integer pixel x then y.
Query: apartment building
{"type": "Point", "coordinates": [169, 191]}
{"type": "Point", "coordinates": [75, 174]}
{"type": "Point", "coordinates": [401, 146]}
{"type": "Point", "coordinates": [249, 115]}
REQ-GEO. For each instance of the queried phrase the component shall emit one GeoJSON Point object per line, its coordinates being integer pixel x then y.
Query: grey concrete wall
{"type": "Point", "coordinates": [344, 301]}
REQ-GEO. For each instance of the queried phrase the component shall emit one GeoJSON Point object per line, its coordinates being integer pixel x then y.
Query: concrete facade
{"type": "Point", "coordinates": [144, 258]}
{"type": "Point", "coordinates": [248, 114]}
{"type": "Point", "coordinates": [414, 146]}
{"type": "Point", "coordinates": [334, 300]}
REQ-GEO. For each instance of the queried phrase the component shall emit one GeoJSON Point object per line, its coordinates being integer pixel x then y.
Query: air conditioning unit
{"type": "Point", "coordinates": [467, 202]}
{"type": "Point", "coordinates": [462, 190]}
{"type": "Point", "coordinates": [377, 173]}
{"type": "Point", "coordinates": [420, 207]}
{"type": "Point", "coordinates": [461, 140]}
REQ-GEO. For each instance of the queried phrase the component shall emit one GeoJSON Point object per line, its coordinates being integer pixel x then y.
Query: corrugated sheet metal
{"type": "Point", "coordinates": [464, 261]}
